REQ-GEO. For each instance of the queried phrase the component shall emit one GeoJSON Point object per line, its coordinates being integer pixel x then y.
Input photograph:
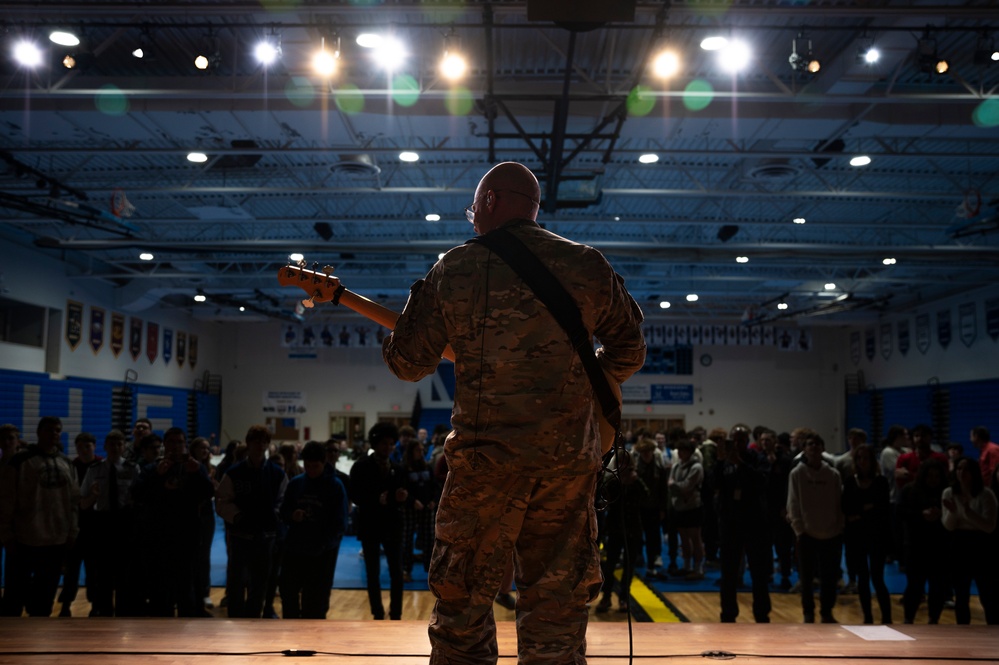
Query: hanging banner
{"type": "Point", "coordinates": [768, 335]}
{"type": "Point", "coordinates": [181, 347]}
{"type": "Point", "coordinates": [967, 322]}
{"type": "Point", "coordinates": [869, 345]}
{"type": "Point", "coordinates": [943, 328]}
{"type": "Point", "coordinates": [695, 335]}
{"type": "Point", "coordinates": [74, 323]}
{"type": "Point", "coordinates": [117, 333]}
{"type": "Point", "coordinates": [886, 340]}
{"type": "Point", "coordinates": [167, 345]}
{"type": "Point", "coordinates": [192, 350]}
{"type": "Point", "coordinates": [903, 336]}
{"type": "Point", "coordinates": [721, 335]}
{"type": "Point", "coordinates": [135, 337]}
{"type": "Point", "coordinates": [326, 336]}
{"type": "Point", "coordinates": [152, 341]}
{"type": "Point", "coordinates": [923, 333]}
{"type": "Point", "coordinates": [855, 347]}
{"type": "Point", "coordinates": [992, 318]}
{"type": "Point", "coordinates": [96, 329]}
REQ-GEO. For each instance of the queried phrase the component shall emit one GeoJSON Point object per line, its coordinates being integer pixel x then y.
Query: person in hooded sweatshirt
{"type": "Point", "coordinates": [814, 508]}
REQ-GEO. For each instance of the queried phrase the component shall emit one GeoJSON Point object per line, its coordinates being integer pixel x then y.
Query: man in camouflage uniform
{"type": "Point", "coordinates": [524, 451]}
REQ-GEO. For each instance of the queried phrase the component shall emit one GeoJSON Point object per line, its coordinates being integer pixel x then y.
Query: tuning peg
{"type": "Point", "coordinates": [302, 263]}
{"type": "Point", "coordinates": [315, 266]}
{"type": "Point", "coordinates": [327, 270]}
{"type": "Point", "coordinates": [308, 304]}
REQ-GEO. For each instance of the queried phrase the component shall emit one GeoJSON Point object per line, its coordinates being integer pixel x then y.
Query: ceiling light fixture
{"type": "Point", "coordinates": [453, 64]}
{"type": "Point", "coordinates": [860, 160]}
{"type": "Point", "coordinates": [268, 51]}
{"type": "Point", "coordinates": [691, 297]}
{"type": "Point", "coordinates": [209, 57]}
{"type": "Point", "coordinates": [867, 52]}
{"type": "Point", "coordinates": [145, 50]}
{"type": "Point", "coordinates": [798, 220]}
{"type": "Point", "coordinates": [665, 304]}
{"type": "Point", "coordinates": [714, 43]}
{"type": "Point", "coordinates": [64, 38]}
{"type": "Point", "coordinates": [146, 256]}
{"type": "Point", "coordinates": [389, 54]}
{"type": "Point", "coordinates": [369, 40]}
{"type": "Point", "coordinates": [197, 157]}
{"type": "Point", "coordinates": [735, 57]}
{"type": "Point", "coordinates": [27, 53]}
{"type": "Point", "coordinates": [200, 297]}
{"type": "Point", "coordinates": [69, 62]}
{"type": "Point", "coordinates": [295, 257]}
{"type": "Point", "coordinates": [782, 305]}
{"type": "Point", "coordinates": [666, 64]}
{"type": "Point", "coordinates": [324, 62]}
{"type": "Point", "coordinates": [807, 63]}
{"type": "Point", "coordinates": [888, 261]}
{"type": "Point", "coordinates": [829, 286]}
{"type": "Point", "coordinates": [407, 156]}
{"type": "Point", "coordinates": [648, 158]}
{"type": "Point", "coordinates": [432, 217]}
{"type": "Point", "coordinates": [926, 55]}
{"type": "Point", "coordinates": [742, 259]}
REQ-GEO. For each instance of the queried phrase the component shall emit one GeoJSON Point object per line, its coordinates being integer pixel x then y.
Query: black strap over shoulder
{"type": "Point", "coordinates": [562, 307]}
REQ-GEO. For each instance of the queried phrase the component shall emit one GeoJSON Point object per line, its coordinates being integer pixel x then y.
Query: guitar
{"type": "Point", "coordinates": [323, 286]}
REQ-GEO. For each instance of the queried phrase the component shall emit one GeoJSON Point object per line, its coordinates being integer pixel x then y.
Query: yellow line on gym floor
{"type": "Point", "coordinates": [650, 602]}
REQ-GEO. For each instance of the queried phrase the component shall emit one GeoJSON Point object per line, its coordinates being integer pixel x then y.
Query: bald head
{"type": "Point", "coordinates": [508, 191]}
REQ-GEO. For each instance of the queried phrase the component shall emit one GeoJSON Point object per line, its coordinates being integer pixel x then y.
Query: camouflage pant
{"type": "Point", "coordinates": [549, 526]}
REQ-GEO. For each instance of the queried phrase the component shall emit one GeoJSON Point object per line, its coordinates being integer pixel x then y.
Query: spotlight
{"type": "Point", "coordinates": [714, 43]}
{"type": "Point", "coordinates": [407, 156]}
{"type": "Point", "coordinates": [782, 305]}
{"type": "Point", "coordinates": [926, 56]}
{"type": "Point", "coordinates": [27, 54]}
{"type": "Point", "coordinates": [666, 64]}
{"type": "Point", "coordinates": [803, 63]}
{"type": "Point", "coordinates": [201, 62]}
{"type": "Point", "coordinates": [145, 50]}
{"type": "Point", "coordinates": [69, 62]}
{"type": "Point", "coordinates": [453, 65]}
{"type": "Point", "coordinates": [389, 54]}
{"type": "Point", "coordinates": [146, 256]}
{"type": "Point", "coordinates": [734, 57]}
{"type": "Point", "coordinates": [267, 51]}
{"type": "Point", "coordinates": [200, 296]}
{"type": "Point", "coordinates": [324, 62]}
{"type": "Point", "coordinates": [432, 217]}
{"type": "Point", "coordinates": [868, 54]}
{"type": "Point", "coordinates": [691, 297]}
{"type": "Point", "coordinates": [197, 157]}
{"type": "Point", "coordinates": [665, 304]}
{"type": "Point", "coordinates": [648, 158]}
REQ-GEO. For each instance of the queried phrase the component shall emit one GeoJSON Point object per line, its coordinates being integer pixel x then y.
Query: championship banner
{"type": "Point", "coordinates": [731, 334]}
{"type": "Point", "coordinates": [192, 350]}
{"type": "Point", "coordinates": [967, 322]}
{"type": "Point", "coordinates": [135, 338]}
{"type": "Point", "coordinates": [152, 341]}
{"type": "Point", "coordinates": [96, 328]}
{"type": "Point", "coordinates": [682, 335]}
{"type": "Point", "coordinates": [886, 340]}
{"type": "Point", "coordinates": [755, 335]}
{"type": "Point", "coordinates": [74, 323]}
{"type": "Point", "coordinates": [327, 336]}
{"type": "Point", "coordinates": [181, 347]}
{"type": "Point", "coordinates": [903, 336]}
{"type": "Point", "coordinates": [943, 328]}
{"type": "Point", "coordinates": [768, 336]}
{"type": "Point", "coordinates": [923, 333]}
{"type": "Point", "coordinates": [117, 333]}
{"type": "Point", "coordinates": [695, 335]}
{"type": "Point", "coordinates": [992, 318]}
{"type": "Point", "coordinates": [855, 347]}
{"type": "Point", "coordinates": [869, 345]}
{"type": "Point", "coordinates": [743, 335]}
{"type": "Point", "coordinates": [721, 335]}
{"type": "Point", "coordinates": [167, 345]}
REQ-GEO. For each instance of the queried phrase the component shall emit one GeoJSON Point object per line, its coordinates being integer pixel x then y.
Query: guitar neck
{"type": "Point", "coordinates": [378, 313]}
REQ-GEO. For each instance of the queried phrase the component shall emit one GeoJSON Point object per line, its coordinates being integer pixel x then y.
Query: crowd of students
{"type": "Point", "coordinates": [142, 519]}
{"type": "Point", "coordinates": [744, 499]}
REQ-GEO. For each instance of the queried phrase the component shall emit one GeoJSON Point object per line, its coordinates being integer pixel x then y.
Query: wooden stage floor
{"type": "Point", "coordinates": [26, 641]}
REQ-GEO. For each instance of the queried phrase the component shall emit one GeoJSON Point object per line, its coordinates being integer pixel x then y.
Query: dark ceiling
{"type": "Point", "coordinates": [297, 163]}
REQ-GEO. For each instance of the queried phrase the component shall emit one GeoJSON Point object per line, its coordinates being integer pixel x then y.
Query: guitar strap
{"type": "Point", "coordinates": [562, 307]}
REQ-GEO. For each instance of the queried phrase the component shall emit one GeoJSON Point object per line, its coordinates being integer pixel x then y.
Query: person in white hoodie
{"type": "Point", "coordinates": [816, 515]}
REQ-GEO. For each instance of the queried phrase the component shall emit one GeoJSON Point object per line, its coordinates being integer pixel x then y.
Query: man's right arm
{"type": "Point", "coordinates": [620, 333]}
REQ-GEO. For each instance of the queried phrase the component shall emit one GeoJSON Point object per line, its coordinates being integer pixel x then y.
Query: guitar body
{"type": "Point", "coordinates": [324, 287]}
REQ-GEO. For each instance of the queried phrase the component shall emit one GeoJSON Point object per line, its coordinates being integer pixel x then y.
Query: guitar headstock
{"type": "Point", "coordinates": [321, 285]}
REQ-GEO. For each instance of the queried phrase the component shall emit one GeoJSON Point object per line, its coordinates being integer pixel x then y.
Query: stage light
{"type": "Point", "coordinates": [389, 54]}
{"type": "Point", "coordinates": [453, 66]}
{"type": "Point", "coordinates": [868, 54]}
{"type": "Point", "coordinates": [201, 62]}
{"type": "Point", "coordinates": [295, 257]}
{"type": "Point", "coordinates": [64, 38]}
{"type": "Point", "coordinates": [742, 259]}
{"type": "Point", "coordinates": [208, 57]}
{"type": "Point", "coordinates": [782, 305]}
{"type": "Point", "coordinates": [27, 54]}
{"type": "Point", "coordinates": [200, 297]}
{"type": "Point", "coordinates": [325, 61]}
{"type": "Point", "coordinates": [197, 157]}
{"type": "Point", "coordinates": [860, 160]}
{"type": "Point", "coordinates": [267, 51]}
{"type": "Point", "coordinates": [69, 62]}
{"type": "Point", "coordinates": [242, 308]}
{"type": "Point", "coordinates": [734, 57]}
{"type": "Point", "coordinates": [144, 50]}
{"type": "Point", "coordinates": [691, 297]}
{"type": "Point", "coordinates": [369, 40]}
{"type": "Point", "coordinates": [714, 43]}
{"type": "Point", "coordinates": [926, 56]}
{"type": "Point", "coordinates": [804, 63]}
{"type": "Point", "coordinates": [829, 286]}
{"type": "Point", "coordinates": [407, 156]}
{"type": "Point", "coordinates": [139, 53]}
{"type": "Point", "coordinates": [665, 304]}
{"type": "Point", "coordinates": [888, 261]}
{"type": "Point", "coordinates": [432, 217]}
{"type": "Point", "coordinates": [146, 256]}
{"type": "Point", "coordinates": [666, 64]}
{"type": "Point", "coordinates": [648, 158]}
{"type": "Point", "coordinates": [799, 220]}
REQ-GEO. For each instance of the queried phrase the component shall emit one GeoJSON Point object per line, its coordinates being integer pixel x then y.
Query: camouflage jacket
{"type": "Point", "coordinates": [522, 400]}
